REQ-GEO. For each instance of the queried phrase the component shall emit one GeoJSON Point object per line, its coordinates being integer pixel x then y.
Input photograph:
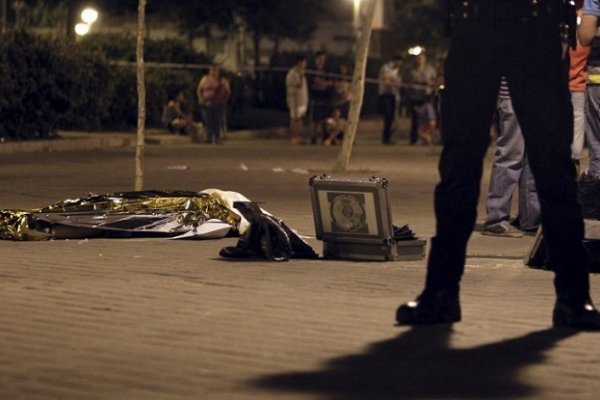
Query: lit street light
{"type": "Point", "coordinates": [82, 29]}
{"type": "Point", "coordinates": [356, 18]}
{"type": "Point", "coordinates": [355, 24]}
{"type": "Point", "coordinates": [89, 16]}
{"type": "Point", "coordinates": [415, 51]}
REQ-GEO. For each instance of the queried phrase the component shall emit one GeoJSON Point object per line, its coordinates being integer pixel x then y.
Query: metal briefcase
{"type": "Point", "coordinates": [352, 218]}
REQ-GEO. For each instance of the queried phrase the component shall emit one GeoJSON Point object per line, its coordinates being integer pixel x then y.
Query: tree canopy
{"type": "Point", "coordinates": [275, 19]}
{"type": "Point", "coordinates": [413, 21]}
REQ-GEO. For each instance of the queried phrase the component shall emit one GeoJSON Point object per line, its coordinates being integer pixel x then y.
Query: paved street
{"type": "Point", "coordinates": [153, 319]}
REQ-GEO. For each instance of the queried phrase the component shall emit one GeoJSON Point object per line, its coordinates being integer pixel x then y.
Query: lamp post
{"type": "Point", "coordinates": [18, 7]}
{"type": "Point", "coordinates": [241, 41]}
{"type": "Point", "coordinates": [356, 15]}
{"type": "Point", "coordinates": [358, 83]}
{"type": "Point", "coordinates": [89, 16]}
{"type": "Point", "coordinates": [356, 23]}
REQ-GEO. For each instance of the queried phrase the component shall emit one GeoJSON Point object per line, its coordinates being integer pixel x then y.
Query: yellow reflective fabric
{"type": "Point", "coordinates": [197, 207]}
{"type": "Point", "coordinates": [593, 79]}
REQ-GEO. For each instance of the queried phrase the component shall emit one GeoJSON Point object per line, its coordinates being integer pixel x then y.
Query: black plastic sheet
{"type": "Point", "coordinates": [267, 237]}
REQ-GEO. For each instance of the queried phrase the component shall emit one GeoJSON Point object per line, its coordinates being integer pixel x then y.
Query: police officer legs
{"type": "Point", "coordinates": [528, 52]}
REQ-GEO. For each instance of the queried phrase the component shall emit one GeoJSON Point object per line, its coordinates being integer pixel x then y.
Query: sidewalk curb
{"type": "Point", "coordinates": [65, 145]}
{"type": "Point", "coordinates": [78, 140]}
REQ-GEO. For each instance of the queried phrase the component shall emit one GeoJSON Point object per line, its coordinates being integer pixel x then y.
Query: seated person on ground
{"type": "Point", "coordinates": [333, 128]}
{"type": "Point", "coordinates": [176, 120]}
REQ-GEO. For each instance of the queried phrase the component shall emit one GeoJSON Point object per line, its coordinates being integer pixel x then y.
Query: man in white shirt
{"type": "Point", "coordinates": [389, 89]}
{"type": "Point", "coordinates": [297, 98]}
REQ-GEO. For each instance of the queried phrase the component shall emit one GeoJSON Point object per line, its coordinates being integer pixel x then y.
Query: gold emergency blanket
{"type": "Point", "coordinates": [119, 215]}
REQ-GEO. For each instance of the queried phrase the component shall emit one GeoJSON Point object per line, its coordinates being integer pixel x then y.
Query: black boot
{"type": "Point", "coordinates": [430, 308]}
{"type": "Point", "coordinates": [569, 315]}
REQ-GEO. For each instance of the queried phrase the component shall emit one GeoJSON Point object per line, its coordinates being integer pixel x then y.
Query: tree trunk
{"type": "Point", "coordinates": [141, 90]}
{"type": "Point", "coordinates": [358, 87]}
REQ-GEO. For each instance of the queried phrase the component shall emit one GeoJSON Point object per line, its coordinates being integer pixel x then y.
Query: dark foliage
{"type": "Point", "coordinates": [54, 84]}
{"type": "Point", "coordinates": [47, 83]}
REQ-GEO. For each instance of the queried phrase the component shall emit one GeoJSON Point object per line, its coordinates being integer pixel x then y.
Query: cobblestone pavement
{"type": "Point", "coordinates": [159, 319]}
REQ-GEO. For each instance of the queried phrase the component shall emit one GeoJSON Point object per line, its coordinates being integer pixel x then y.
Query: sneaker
{"type": "Point", "coordinates": [530, 232]}
{"type": "Point", "coordinates": [526, 231]}
{"type": "Point", "coordinates": [502, 229]}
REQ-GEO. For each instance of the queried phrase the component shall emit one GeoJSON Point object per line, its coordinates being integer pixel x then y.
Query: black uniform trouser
{"type": "Point", "coordinates": [388, 110]}
{"type": "Point", "coordinates": [414, 119]}
{"type": "Point", "coordinates": [529, 54]}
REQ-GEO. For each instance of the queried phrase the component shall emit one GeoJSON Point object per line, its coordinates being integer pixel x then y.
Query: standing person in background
{"type": "Point", "coordinates": [213, 92]}
{"type": "Point", "coordinates": [510, 172]}
{"type": "Point", "coordinates": [321, 96]}
{"type": "Point", "coordinates": [389, 95]}
{"type": "Point", "coordinates": [422, 79]}
{"type": "Point", "coordinates": [578, 58]}
{"type": "Point", "coordinates": [297, 98]}
{"type": "Point", "coordinates": [589, 35]}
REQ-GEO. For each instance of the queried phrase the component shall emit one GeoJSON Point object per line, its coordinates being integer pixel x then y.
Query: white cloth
{"type": "Point", "coordinates": [296, 91]}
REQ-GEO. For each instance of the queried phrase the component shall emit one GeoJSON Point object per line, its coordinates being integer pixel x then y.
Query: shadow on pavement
{"type": "Point", "coordinates": [420, 364]}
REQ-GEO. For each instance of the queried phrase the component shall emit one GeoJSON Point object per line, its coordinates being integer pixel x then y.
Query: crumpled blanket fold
{"type": "Point", "coordinates": [267, 237]}
{"type": "Point", "coordinates": [120, 215]}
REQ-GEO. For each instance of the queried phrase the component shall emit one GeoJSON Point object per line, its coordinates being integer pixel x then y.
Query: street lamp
{"type": "Point", "coordinates": [355, 25]}
{"type": "Point", "coordinates": [416, 50]}
{"type": "Point", "coordinates": [82, 29]}
{"type": "Point", "coordinates": [356, 15]}
{"type": "Point", "coordinates": [89, 16]}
